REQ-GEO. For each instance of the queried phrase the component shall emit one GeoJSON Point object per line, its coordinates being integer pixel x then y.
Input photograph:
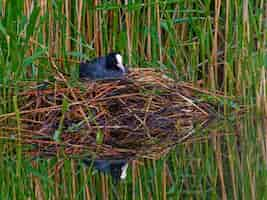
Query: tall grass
{"type": "Point", "coordinates": [218, 45]}
{"type": "Point", "coordinates": [221, 42]}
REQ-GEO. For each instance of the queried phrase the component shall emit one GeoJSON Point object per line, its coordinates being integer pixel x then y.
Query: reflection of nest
{"type": "Point", "coordinates": [143, 115]}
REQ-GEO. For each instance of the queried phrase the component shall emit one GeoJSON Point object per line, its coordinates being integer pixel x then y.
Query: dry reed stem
{"type": "Point", "coordinates": [88, 30]}
{"type": "Point", "coordinates": [149, 55]}
{"type": "Point", "coordinates": [68, 32]}
{"type": "Point", "coordinates": [214, 67]}
{"type": "Point", "coordinates": [159, 31]}
{"type": "Point", "coordinates": [128, 30]}
{"type": "Point", "coordinates": [79, 23]}
{"type": "Point", "coordinates": [246, 29]}
{"type": "Point", "coordinates": [96, 29]}
{"type": "Point", "coordinates": [51, 32]}
{"type": "Point", "coordinates": [225, 51]}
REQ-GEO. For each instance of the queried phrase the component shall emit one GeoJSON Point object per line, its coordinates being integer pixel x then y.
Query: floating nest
{"type": "Point", "coordinates": [143, 115]}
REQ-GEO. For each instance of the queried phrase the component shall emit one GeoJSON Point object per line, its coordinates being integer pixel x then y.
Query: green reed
{"type": "Point", "coordinates": [217, 45]}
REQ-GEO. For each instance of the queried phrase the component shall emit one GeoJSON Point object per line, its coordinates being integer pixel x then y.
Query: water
{"type": "Point", "coordinates": [225, 160]}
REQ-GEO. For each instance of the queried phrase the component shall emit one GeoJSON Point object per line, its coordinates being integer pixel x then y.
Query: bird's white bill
{"type": "Point", "coordinates": [121, 67]}
{"type": "Point", "coordinates": [119, 62]}
{"type": "Point", "coordinates": [118, 58]}
{"type": "Point", "coordinates": [124, 171]}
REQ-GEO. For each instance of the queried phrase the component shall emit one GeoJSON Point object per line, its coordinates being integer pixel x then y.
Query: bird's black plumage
{"type": "Point", "coordinates": [105, 67]}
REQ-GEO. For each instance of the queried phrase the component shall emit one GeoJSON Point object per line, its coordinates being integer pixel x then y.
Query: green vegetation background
{"type": "Point", "coordinates": [219, 45]}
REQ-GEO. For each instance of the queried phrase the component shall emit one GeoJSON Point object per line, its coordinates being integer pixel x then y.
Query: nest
{"type": "Point", "coordinates": [143, 115]}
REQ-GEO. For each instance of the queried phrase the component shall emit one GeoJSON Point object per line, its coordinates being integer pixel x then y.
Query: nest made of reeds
{"type": "Point", "coordinates": [142, 115]}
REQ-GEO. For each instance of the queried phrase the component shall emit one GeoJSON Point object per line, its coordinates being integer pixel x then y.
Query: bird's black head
{"type": "Point", "coordinates": [114, 61]}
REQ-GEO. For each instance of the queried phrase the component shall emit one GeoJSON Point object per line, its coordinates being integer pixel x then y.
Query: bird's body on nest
{"type": "Point", "coordinates": [101, 68]}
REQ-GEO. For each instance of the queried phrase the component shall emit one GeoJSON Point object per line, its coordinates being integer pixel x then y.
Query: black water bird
{"type": "Point", "coordinates": [105, 67]}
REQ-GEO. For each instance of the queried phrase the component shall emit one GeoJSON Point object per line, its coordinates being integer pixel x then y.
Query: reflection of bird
{"type": "Point", "coordinates": [117, 168]}
{"type": "Point", "coordinates": [106, 67]}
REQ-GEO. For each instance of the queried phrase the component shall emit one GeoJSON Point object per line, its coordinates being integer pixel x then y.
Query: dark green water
{"type": "Point", "coordinates": [225, 160]}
